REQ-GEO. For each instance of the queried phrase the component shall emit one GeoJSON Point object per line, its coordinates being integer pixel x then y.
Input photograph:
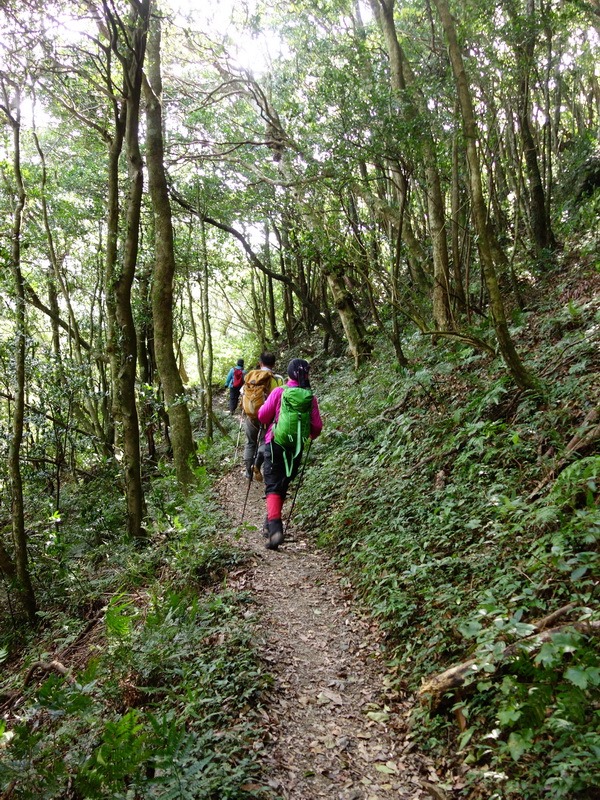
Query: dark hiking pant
{"type": "Point", "coordinates": [252, 428]}
{"type": "Point", "coordinates": [276, 479]}
{"type": "Point", "coordinates": [234, 396]}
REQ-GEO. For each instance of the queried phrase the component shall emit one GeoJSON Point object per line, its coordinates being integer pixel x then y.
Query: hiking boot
{"type": "Point", "coordinates": [275, 534]}
{"type": "Point", "coordinates": [257, 474]}
{"type": "Point", "coordinates": [265, 528]}
{"type": "Point", "coordinates": [247, 474]}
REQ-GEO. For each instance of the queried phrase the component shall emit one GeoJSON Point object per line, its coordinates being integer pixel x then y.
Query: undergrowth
{"type": "Point", "coordinates": [459, 513]}
{"type": "Point", "coordinates": [160, 697]}
{"type": "Point", "coordinates": [462, 519]}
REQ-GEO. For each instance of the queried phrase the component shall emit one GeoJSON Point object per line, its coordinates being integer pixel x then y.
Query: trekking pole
{"type": "Point", "coordinates": [287, 522]}
{"type": "Point", "coordinates": [237, 444]}
{"type": "Point", "coordinates": [251, 476]}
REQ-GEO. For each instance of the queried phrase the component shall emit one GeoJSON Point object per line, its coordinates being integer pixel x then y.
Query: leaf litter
{"type": "Point", "coordinates": [332, 732]}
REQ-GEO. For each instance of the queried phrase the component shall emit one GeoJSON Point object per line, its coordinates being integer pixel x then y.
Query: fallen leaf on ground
{"type": "Point", "coordinates": [389, 768]}
{"type": "Point", "coordinates": [378, 716]}
{"type": "Point", "coordinates": [327, 696]}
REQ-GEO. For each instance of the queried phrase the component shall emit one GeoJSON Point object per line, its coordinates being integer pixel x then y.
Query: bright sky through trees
{"type": "Point", "coordinates": [224, 23]}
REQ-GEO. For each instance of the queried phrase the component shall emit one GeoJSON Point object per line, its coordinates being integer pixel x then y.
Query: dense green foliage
{"type": "Point", "coordinates": [424, 487]}
{"type": "Point", "coordinates": [160, 704]}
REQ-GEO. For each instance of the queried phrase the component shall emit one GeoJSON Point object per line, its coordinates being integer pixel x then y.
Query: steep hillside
{"type": "Point", "coordinates": [467, 514]}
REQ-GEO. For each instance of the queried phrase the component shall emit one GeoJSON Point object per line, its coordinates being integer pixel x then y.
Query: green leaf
{"type": "Point", "coordinates": [577, 676]}
{"type": "Point", "coordinates": [579, 572]}
{"type": "Point", "coordinates": [465, 738]}
{"type": "Point", "coordinates": [518, 744]}
{"type": "Point", "coordinates": [508, 716]}
{"type": "Point", "coordinates": [545, 515]}
{"type": "Point", "coordinates": [470, 628]}
{"type": "Point", "coordinates": [548, 655]}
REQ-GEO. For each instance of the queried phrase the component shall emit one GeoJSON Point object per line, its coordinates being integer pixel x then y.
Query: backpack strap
{"type": "Point", "coordinates": [289, 465]}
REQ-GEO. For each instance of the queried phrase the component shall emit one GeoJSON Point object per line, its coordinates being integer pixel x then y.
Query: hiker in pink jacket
{"type": "Point", "coordinates": [286, 431]}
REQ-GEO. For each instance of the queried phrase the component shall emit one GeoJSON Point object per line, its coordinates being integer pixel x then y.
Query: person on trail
{"type": "Point", "coordinates": [258, 384]}
{"type": "Point", "coordinates": [234, 382]}
{"type": "Point", "coordinates": [291, 416]}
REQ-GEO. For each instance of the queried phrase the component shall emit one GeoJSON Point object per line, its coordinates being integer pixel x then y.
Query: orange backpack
{"type": "Point", "coordinates": [257, 386]}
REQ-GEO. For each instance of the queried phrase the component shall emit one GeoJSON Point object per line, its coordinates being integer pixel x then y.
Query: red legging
{"type": "Point", "coordinates": [276, 480]}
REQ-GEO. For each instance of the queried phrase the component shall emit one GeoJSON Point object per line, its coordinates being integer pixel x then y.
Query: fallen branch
{"type": "Point", "coordinates": [431, 457]}
{"type": "Point", "coordinates": [9, 791]}
{"type": "Point", "coordinates": [545, 622]}
{"type": "Point", "coordinates": [474, 341]}
{"type": "Point", "coordinates": [455, 676]}
{"type": "Point", "coordinates": [585, 437]}
{"type": "Point", "coordinates": [82, 634]}
{"type": "Point", "coordinates": [221, 427]}
{"type": "Point", "coordinates": [393, 409]}
{"type": "Point", "coordinates": [581, 440]}
{"type": "Point", "coordinates": [48, 666]}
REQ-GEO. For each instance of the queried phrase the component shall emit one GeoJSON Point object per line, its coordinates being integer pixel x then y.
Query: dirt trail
{"type": "Point", "coordinates": [335, 732]}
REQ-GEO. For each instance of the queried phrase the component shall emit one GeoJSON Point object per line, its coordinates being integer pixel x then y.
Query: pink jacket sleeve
{"type": "Point", "coordinates": [316, 423]}
{"type": "Point", "coordinates": [269, 410]}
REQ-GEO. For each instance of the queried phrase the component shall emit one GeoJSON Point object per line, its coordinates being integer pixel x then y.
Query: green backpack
{"type": "Point", "coordinates": [293, 425]}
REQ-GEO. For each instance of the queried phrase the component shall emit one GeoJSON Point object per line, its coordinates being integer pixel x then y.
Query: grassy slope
{"type": "Point", "coordinates": [421, 486]}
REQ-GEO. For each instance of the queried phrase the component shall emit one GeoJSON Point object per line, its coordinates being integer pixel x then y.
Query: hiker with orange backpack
{"type": "Point", "coordinates": [234, 382]}
{"type": "Point", "coordinates": [291, 416]}
{"type": "Point", "coordinates": [258, 384]}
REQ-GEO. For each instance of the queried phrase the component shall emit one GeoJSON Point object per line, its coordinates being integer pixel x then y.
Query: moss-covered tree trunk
{"type": "Point", "coordinates": [541, 229]}
{"type": "Point", "coordinates": [352, 322]}
{"type": "Point", "coordinates": [456, 205]}
{"type": "Point", "coordinates": [164, 269]}
{"type": "Point", "coordinates": [207, 362]}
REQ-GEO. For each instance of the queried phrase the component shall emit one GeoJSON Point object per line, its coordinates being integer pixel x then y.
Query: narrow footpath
{"type": "Point", "coordinates": [335, 729]}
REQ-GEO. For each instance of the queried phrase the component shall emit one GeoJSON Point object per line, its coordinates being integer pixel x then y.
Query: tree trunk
{"type": "Point", "coordinates": [54, 308]}
{"type": "Point", "coordinates": [22, 577]}
{"type": "Point", "coordinates": [270, 293]}
{"type": "Point", "coordinates": [146, 361]}
{"type": "Point", "coordinates": [461, 299]}
{"type": "Point", "coordinates": [401, 76]}
{"type": "Point", "coordinates": [352, 322]}
{"type": "Point", "coordinates": [184, 455]}
{"type": "Point", "coordinates": [7, 565]}
{"type": "Point", "coordinates": [524, 53]}
{"type": "Point", "coordinates": [197, 346]}
{"type": "Point", "coordinates": [396, 341]}
{"type": "Point", "coordinates": [288, 297]}
{"type": "Point", "coordinates": [122, 337]}
{"type": "Point", "coordinates": [521, 376]}
{"type": "Point", "coordinates": [206, 328]}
